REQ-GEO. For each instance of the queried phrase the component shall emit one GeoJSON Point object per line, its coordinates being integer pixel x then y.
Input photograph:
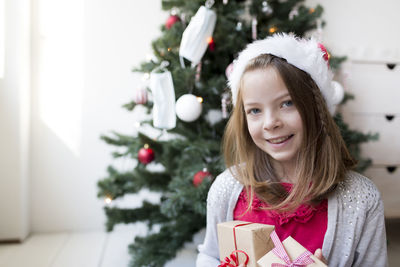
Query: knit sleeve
{"type": "Point", "coordinates": [371, 249]}
{"type": "Point", "coordinates": [217, 207]}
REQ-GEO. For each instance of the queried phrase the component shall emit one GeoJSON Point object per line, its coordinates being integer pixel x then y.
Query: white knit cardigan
{"type": "Point", "coordinates": [355, 235]}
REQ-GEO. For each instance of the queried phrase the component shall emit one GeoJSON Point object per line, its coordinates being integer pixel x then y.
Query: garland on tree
{"type": "Point", "coordinates": [191, 161]}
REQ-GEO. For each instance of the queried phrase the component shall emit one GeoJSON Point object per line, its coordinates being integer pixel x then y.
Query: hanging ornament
{"type": "Point", "coordinates": [214, 116]}
{"type": "Point", "coordinates": [163, 91]}
{"type": "Point", "coordinates": [198, 73]}
{"type": "Point", "coordinates": [293, 13]}
{"type": "Point", "coordinates": [224, 105]}
{"type": "Point", "coordinates": [145, 155]}
{"type": "Point", "coordinates": [266, 8]}
{"type": "Point", "coordinates": [171, 21]}
{"type": "Point", "coordinates": [200, 176]}
{"type": "Point", "coordinates": [239, 26]}
{"type": "Point", "coordinates": [254, 28]}
{"type": "Point", "coordinates": [211, 44]}
{"type": "Point", "coordinates": [188, 107]}
{"type": "Point", "coordinates": [194, 39]}
{"type": "Point", "coordinates": [140, 96]}
{"type": "Point", "coordinates": [338, 93]}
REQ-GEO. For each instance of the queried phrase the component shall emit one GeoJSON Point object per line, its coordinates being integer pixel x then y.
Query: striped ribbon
{"type": "Point", "coordinates": [301, 261]}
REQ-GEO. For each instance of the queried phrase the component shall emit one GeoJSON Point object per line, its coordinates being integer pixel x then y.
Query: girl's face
{"type": "Point", "coordinates": [273, 121]}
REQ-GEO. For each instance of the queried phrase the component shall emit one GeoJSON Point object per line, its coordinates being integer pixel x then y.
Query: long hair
{"type": "Point", "coordinates": [323, 158]}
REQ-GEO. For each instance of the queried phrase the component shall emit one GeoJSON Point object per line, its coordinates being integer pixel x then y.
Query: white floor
{"type": "Point", "coordinates": [86, 249]}
{"type": "Point", "coordinates": [100, 249]}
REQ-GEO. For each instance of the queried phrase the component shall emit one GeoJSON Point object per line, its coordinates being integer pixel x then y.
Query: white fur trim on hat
{"type": "Point", "coordinates": [304, 54]}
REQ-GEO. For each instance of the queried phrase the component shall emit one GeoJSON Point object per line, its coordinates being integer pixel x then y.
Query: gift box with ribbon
{"type": "Point", "coordinates": [243, 242]}
{"type": "Point", "coordinates": [288, 253]}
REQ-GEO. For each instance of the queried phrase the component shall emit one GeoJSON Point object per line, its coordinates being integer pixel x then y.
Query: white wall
{"type": "Point", "coordinates": [14, 122]}
{"type": "Point", "coordinates": [362, 30]}
{"type": "Point", "coordinates": [68, 158]}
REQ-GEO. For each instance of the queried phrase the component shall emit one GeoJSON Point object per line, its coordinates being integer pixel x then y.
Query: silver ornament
{"type": "Point", "coordinates": [266, 8]}
{"type": "Point", "coordinates": [293, 13]}
{"type": "Point", "coordinates": [239, 26]}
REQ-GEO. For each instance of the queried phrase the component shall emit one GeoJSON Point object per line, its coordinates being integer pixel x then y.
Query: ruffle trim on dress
{"type": "Point", "coordinates": [302, 214]}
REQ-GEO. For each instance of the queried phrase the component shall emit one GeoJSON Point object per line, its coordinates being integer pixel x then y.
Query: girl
{"type": "Point", "coordinates": [287, 163]}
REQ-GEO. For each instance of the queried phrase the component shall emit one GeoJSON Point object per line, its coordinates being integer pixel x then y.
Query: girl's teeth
{"type": "Point", "coordinates": [279, 140]}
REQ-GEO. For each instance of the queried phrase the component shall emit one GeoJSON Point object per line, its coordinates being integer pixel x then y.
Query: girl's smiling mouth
{"type": "Point", "coordinates": [279, 140]}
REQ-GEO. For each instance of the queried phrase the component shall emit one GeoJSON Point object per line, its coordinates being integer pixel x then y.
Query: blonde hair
{"type": "Point", "coordinates": [323, 157]}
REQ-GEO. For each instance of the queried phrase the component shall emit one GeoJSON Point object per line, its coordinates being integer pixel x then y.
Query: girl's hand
{"type": "Point", "coordinates": [318, 255]}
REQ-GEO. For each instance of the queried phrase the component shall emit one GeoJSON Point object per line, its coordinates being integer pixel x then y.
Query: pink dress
{"type": "Point", "coordinates": [307, 224]}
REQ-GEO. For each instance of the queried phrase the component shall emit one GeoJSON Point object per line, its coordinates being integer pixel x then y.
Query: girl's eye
{"type": "Point", "coordinates": [288, 103]}
{"type": "Point", "coordinates": [254, 111]}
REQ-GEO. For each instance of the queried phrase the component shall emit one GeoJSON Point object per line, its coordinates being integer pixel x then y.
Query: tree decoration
{"type": "Point", "coordinates": [266, 8]}
{"type": "Point", "coordinates": [339, 93]}
{"type": "Point", "coordinates": [211, 44]}
{"type": "Point", "coordinates": [163, 91]}
{"type": "Point", "coordinates": [171, 21]}
{"type": "Point", "coordinates": [224, 105]}
{"type": "Point", "coordinates": [293, 13]}
{"type": "Point", "coordinates": [140, 96]}
{"type": "Point", "coordinates": [194, 38]}
{"type": "Point", "coordinates": [239, 26]}
{"type": "Point", "coordinates": [146, 155]}
{"type": "Point", "coordinates": [198, 72]}
{"type": "Point", "coordinates": [214, 116]}
{"type": "Point", "coordinates": [188, 108]}
{"type": "Point", "coordinates": [200, 176]}
{"type": "Point", "coordinates": [108, 200]}
{"type": "Point", "coordinates": [254, 28]}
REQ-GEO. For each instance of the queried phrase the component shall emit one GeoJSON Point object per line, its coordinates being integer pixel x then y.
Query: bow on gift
{"type": "Point", "coordinates": [232, 260]}
{"type": "Point", "coordinates": [301, 261]}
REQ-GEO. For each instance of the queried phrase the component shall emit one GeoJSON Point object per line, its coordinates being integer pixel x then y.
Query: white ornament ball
{"type": "Point", "coordinates": [188, 108]}
{"type": "Point", "coordinates": [214, 116]}
{"type": "Point", "coordinates": [338, 93]}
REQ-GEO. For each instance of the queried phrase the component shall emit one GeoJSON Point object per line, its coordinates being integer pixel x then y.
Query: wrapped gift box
{"type": "Point", "coordinates": [252, 238]}
{"type": "Point", "coordinates": [293, 250]}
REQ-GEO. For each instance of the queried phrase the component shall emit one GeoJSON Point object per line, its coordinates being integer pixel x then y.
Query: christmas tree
{"type": "Point", "coordinates": [189, 101]}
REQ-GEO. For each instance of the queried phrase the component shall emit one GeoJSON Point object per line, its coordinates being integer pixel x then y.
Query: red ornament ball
{"type": "Point", "coordinates": [146, 155]}
{"type": "Point", "coordinates": [199, 177]}
{"type": "Point", "coordinates": [211, 44]}
{"type": "Point", "coordinates": [171, 21]}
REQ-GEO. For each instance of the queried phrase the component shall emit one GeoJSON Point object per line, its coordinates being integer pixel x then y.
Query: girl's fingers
{"type": "Point", "coordinates": [318, 255]}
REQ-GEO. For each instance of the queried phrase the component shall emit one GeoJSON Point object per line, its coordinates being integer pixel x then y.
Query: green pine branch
{"type": "Point", "coordinates": [148, 212]}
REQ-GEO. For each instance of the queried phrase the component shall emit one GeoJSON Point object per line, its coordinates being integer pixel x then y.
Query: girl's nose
{"type": "Point", "coordinates": [271, 121]}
